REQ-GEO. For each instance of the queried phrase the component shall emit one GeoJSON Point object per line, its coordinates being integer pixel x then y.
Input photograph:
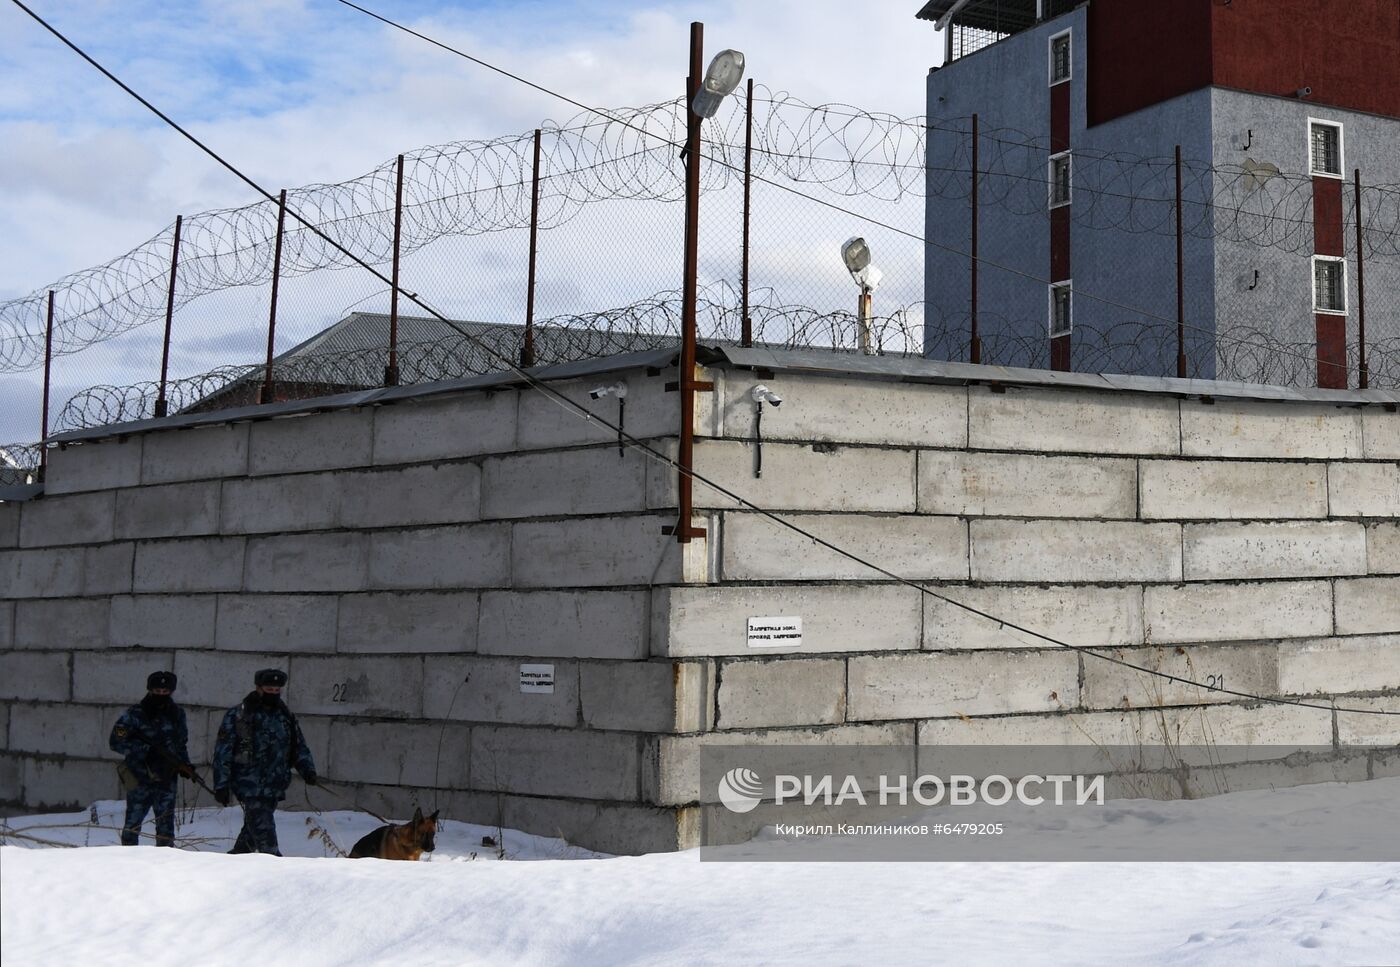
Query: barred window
{"type": "Point", "coordinates": [1329, 285]}
{"type": "Point", "coordinates": [1059, 58]}
{"type": "Point", "coordinates": [1326, 150]}
{"type": "Point", "coordinates": [1060, 180]}
{"type": "Point", "coordinates": [1061, 309]}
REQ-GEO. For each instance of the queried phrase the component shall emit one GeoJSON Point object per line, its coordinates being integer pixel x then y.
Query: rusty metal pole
{"type": "Point", "coordinates": [684, 531]}
{"type": "Point", "coordinates": [391, 371]}
{"type": "Point", "coordinates": [48, 362]}
{"type": "Point", "coordinates": [527, 349]}
{"type": "Point", "coordinates": [161, 406]}
{"type": "Point", "coordinates": [265, 395]}
{"type": "Point", "coordinates": [975, 347]}
{"type": "Point", "coordinates": [1180, 278]}
{"type": "Point", "coordinates": [746, 337]}
{"type": "Point", "coordinates": [1360, 289]}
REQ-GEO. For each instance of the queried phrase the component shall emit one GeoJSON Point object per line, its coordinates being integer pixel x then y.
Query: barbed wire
{"type": "Point", "coordinates": [476, 187]}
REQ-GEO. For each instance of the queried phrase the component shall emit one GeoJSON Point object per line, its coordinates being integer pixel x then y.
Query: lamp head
{"type": "Point", "coordinates": [725, 72]}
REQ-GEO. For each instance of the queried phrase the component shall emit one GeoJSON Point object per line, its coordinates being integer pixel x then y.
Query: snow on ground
{"type": "Point", "coordinates": [109, 905]}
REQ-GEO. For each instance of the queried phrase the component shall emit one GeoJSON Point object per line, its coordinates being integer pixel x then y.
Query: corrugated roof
{"type": "Point", "coordinates": [999, 16]}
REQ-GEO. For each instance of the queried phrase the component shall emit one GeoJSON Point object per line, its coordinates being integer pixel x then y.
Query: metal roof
{"type": "Point", "coordinates": [998, 16]}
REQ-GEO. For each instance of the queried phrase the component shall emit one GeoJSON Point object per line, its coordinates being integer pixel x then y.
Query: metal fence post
{"type": "Point", "coordinates": [746, 336]}
{"type": "Point", "coordinates": [161, 406]}
{"type": "Point", "coordinates": [527, 348]}
{"type": "Point", "coordinates": [265, 395]}
{"type": "Point", "coordinates": [1180, 279]}
{"type": "Point", "coordinates": [48, 362]}
{"type": "Point", "coordinates": [975, 346]}
{"type": "Point", "coordinates": [391, 371]}
{"type": "Point", "coordinates": [1360, 288]}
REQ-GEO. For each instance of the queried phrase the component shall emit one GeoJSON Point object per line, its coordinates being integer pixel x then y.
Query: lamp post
{"type": "Point", "coordinates": [856, 254]}
{"type": "Point", "coordinates": [703, 97]}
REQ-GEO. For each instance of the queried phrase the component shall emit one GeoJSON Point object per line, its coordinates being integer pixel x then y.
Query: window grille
{"type": "Point", "coordinates": [1326, 149]}
{"type": "Point", "coordinates": [1061, 314]}
{"type": "Point", "coordinates": [1059, 59]}
{"type": "Point", "coordinates": [1329, 285]}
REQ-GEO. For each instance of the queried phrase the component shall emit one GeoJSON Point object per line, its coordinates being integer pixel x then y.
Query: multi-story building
{"type": "Point", "coordinates": [1275, 107]}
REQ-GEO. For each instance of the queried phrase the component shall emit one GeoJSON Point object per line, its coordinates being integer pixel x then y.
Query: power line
{"type": "Point", "coordinates": [647, 451]}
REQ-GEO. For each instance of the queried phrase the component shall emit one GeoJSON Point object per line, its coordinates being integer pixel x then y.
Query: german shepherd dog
{"type": "Point", "coordinates": [406, 842]}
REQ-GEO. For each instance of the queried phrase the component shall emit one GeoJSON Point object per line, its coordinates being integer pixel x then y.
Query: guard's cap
{"type": "Point", "coordinates": [270, 676]}
{"type": "Point", "coordinates": [160, 680]}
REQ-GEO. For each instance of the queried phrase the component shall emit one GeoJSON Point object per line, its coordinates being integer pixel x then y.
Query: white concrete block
{"type": "Point", "coordinates": [9, 523]}
{"type": "Point", "coordinates": [596, 552]}
{"type": "Point", "coordinates": [481, 689]}
{"type": "Point", "coordinates": [1383, 548]}
{"type": "Point", "coordinates": [163, 621]}
{"type": "Point", "coordinates": [553, 762]}
{"type": "Point", "coordinates": [1368, 606]}
{"type": "Point", "coordinates": [1270, 429]}
{"type": "Point", "coordinates": [194, 454]}
{"type": "Point", "coordinates": [1364, 489]}
{"type": "Point", "coordinates": [1360, 728]}
{"type": "Point", "coordinates": [51, 784]}
{"type": "Point", "coordinates": [756, 548]}
{"type": "Point", "coordinates": [276, 622]}
{"type": "Point", "coordinates": [40, 676]}
{"type": "Point", "coordinates": [1248, 668]}
{"type": "Point", "coordinates": [358, 685]}
{"type": "Point", "coordinates": [300, 502]}
{"type": "Point", "coordinates": [676, 779]}
{"type": "Point", "coordinates": [119, 677]}
{"type": "Point", "coordinates": [564, 624]}
{"type": "Point", "coordinates": [7, 627]}
{"type": "Point", "coordinates": [308, 562]}
{"type": "Point", "coordinates": [400, 623]}
{"type": "Point", "coordinates": [41, 573]}
{"type": "Point", "coordinates": [475, 556]}
{"type": "Point", "coordinates": [444, 428]}
{"type": "Point", "coordinates": [819, 477]}
{"type": "Point", "coordinates": [76, 519]}
{"type": "Point", "coordinates": [1083, 616]}
{"type": "Point", "coordinates": [835, 410]}
{"type": "Point", "coordinates": [1063, 550]}
{"type": "Point", "coordinates": [563, 483]}
{"type": "Point", "coordinates": [781, 692]}
{"type": "Point", "coordinates": [647, 696]}
{"type": "Point", "coordinates": [1238, 612]}
{"type": "Point", "coordinates": [174, 510]}
{"type": "Point", "coordinates": [447, 493]}
{"type": "Point", "coordinates": [1026, 485]}
{"type": "Point", "coordinates": [94, 466]}
{"type": "Point", "coordinates": [1232, 490]}
{"type": "Point", "coordinates": [221, 679]}
{"type": "Point", "coordinates": [705, 621]}
{"type": "Point", "coordinates": [399, 753]}
{"type": "Point", "coordinates": [314, 441]}
{"type": "Point", "coordinates": [78, 731]}
{"type": "Point", "coordinates": [61, 623]}
{"type": "Point", "coordinates": [200, 564]}
{"type": "Point", "coordinates": [979, 683]}
{"type": "Point", "coordinates": [651, 411]}
{"type": "Point", "coordinates": [1335, 666]}
{"type": "Point", "coordinates": [1381, 428]}
{"type": "Point", "coordinates": [1061, 420]}
{"type": "Point", "coordinates": [107, 568]}
{"type": "Point", "coordinates": [1289, 549]}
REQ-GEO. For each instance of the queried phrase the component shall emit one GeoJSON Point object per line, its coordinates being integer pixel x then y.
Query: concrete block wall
{"type": "Point", "coordinates": [403, 561]}
{"type": "Point", "coordinates": [1247, 544]}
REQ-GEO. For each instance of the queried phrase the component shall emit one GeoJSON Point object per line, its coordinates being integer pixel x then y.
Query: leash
{"type": "Point", "coordinates": [321, 784]}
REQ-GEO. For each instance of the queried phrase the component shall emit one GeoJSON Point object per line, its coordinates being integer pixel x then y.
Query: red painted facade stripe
{"type": "Point", "coordinates": [1059, 117]}
{"type": "Point", "coordinates": [1331, 351]}
{"type": "Point", "coordinates": [1327, 216]}
{"type": "Point", "coordinates": [1059, 353]}
{"type": "Point", "coordinates": [1059, 244]}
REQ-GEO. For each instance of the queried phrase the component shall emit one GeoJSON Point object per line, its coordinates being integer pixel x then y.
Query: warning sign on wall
{"type": "Point", "coordinates": [775, 632]}
{"type": "Point", "coordinates": [537, 679]}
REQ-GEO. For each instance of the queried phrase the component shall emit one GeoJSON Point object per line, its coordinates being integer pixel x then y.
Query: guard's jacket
{"type": "Point", "coordinates": [259, 745]}
{"type": "Point", "coordinates": [151, 738]}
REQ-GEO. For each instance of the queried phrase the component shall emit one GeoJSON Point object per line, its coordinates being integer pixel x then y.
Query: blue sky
{"type": "Point", "coordinates": [301, 91]}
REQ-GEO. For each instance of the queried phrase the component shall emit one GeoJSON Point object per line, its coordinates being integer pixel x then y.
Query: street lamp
{"type": "Point", "coordinates": [856, 254]}
{"type": "Point", "coordinates": [725, 72]}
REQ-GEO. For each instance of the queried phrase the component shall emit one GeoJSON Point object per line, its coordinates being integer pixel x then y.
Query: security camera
{"type": "Point", "coordinates": [1304, 92]}
{"type": "Point", "coordinates": [616, 389]}
{"type": "Point", "coordinates": [762, 394]}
